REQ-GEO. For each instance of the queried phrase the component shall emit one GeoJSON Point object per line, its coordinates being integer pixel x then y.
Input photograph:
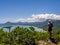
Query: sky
{"type": "Point", "coordinates": [28, 10]}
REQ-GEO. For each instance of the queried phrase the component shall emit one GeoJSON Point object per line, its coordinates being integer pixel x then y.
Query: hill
{"type": "Point", "coordinates": [43, 25]}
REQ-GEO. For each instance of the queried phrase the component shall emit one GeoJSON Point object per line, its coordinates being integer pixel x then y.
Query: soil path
{"type": "Point", "coordinates": [45, 43]}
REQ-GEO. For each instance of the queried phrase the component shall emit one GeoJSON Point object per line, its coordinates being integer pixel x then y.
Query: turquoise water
{"type": "Point", "coordinates": [14, 26]}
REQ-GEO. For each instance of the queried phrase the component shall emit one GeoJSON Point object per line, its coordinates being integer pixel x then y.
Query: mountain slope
{"type": "Point", "coordinates": [56, 24]}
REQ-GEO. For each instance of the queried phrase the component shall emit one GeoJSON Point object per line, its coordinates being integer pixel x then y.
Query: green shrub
{"type": "Point", "coordinates": [25, 36]}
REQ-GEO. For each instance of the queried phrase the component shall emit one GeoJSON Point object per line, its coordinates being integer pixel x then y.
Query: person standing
{"type": "Point", "coordinates": [50, 26]}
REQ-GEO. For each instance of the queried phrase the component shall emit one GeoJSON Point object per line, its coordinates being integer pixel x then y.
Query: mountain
{"type": "Point", "coordinates": [56, 25]}
{"type": "Point", "coordinates": [43, 25]}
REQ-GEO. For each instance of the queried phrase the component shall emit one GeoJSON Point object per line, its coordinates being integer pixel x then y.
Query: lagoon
{"type": "Point", "coordinates": [24, 26]}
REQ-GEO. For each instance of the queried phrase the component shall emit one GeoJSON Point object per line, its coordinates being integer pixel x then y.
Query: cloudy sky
{"type": "Point", "coordinates": [29, 10]}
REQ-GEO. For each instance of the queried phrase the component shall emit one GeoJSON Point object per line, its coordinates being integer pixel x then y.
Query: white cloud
{"type": "Point", "coordinates": [7, 20]}
{"type": "Point", "coordinates": [40, 18]}
{"type": "Point", "coordinates": [33, 18]}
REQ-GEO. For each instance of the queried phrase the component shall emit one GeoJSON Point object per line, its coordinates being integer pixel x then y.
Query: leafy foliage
{"type": "Point", "coordinates": [24, 36]}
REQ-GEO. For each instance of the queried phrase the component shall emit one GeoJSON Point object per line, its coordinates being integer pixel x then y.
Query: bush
{"type": "Point", "coordinates": [24, 36]}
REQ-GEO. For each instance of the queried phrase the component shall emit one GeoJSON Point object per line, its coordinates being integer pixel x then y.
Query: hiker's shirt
{"type": "Point", "coordinates": [50, 25]}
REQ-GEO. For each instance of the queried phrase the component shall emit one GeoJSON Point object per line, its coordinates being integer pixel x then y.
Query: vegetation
{"type": "Point", "coordinates": [25, 36]}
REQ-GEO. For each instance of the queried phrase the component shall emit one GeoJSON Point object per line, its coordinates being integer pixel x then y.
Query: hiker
{"type": "Point", "coordinates": [50, 25]}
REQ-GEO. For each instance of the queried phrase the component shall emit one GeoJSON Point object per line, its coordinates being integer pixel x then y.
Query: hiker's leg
{"type": "Point", "coordinates": [50, 33]}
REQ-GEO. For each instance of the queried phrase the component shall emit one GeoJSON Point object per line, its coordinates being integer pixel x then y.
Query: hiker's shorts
{"type": "Point", "coordinates": [49, 29]}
